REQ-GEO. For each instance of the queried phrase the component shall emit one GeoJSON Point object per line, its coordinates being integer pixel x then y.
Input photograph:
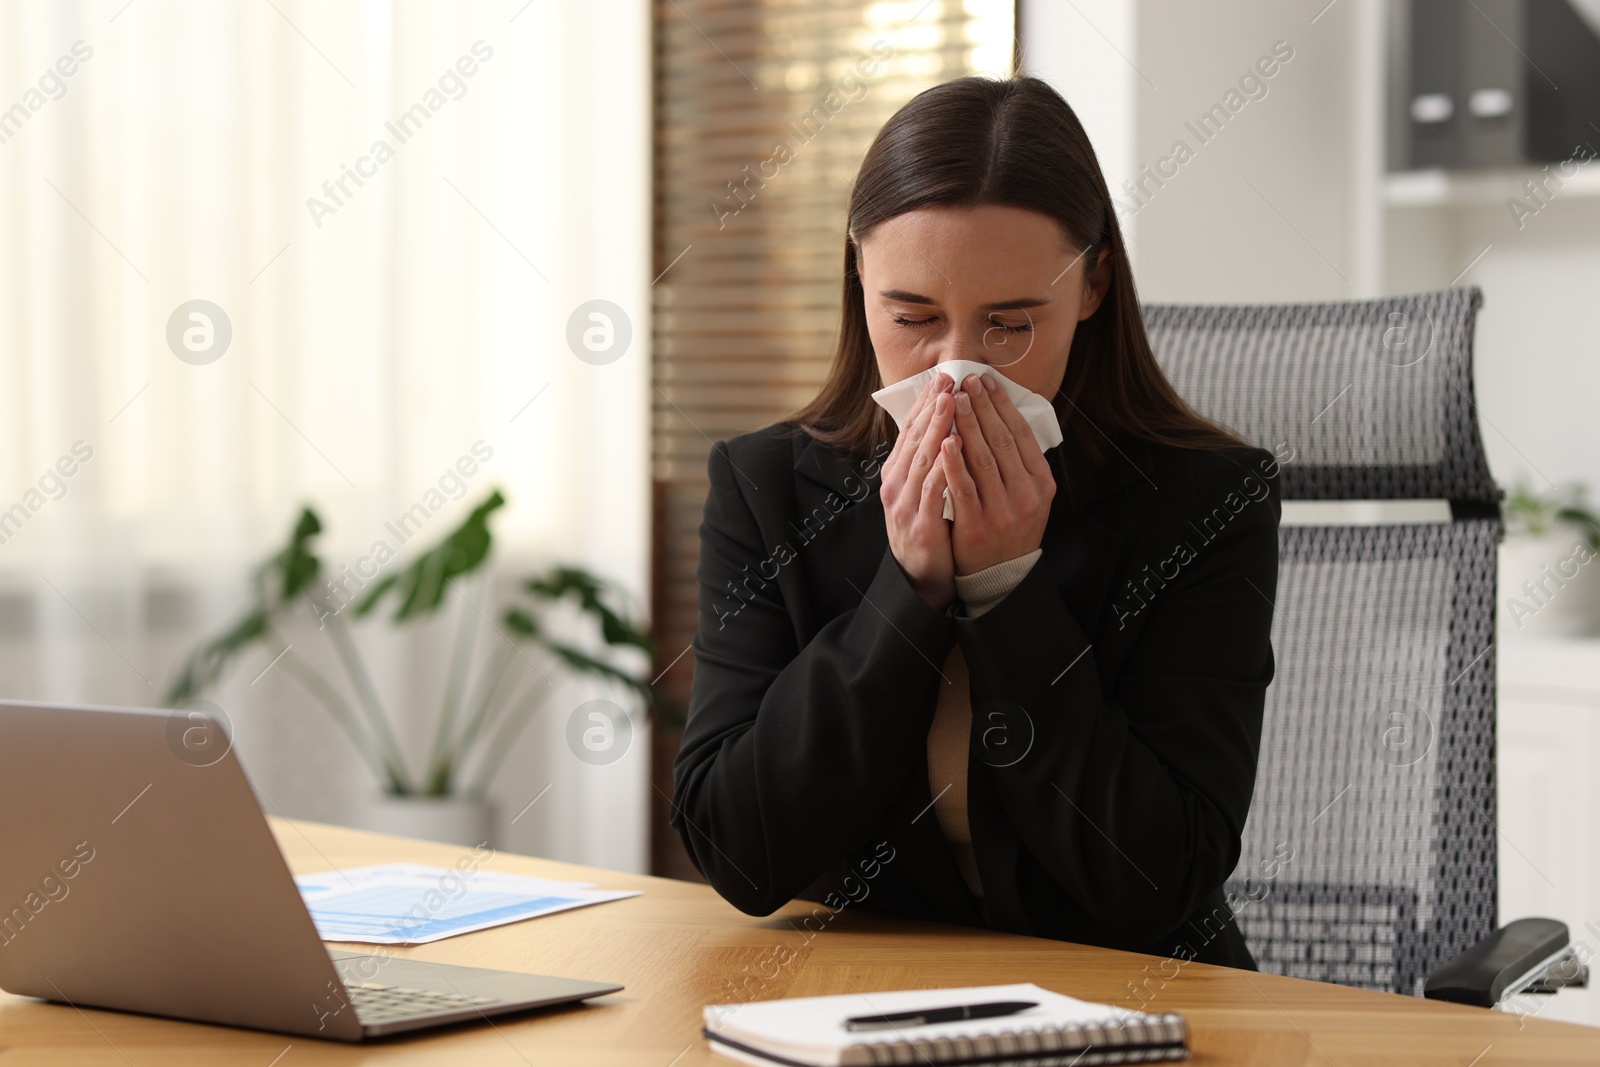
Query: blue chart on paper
{"type": "Point", "coordinates": [391, 910]}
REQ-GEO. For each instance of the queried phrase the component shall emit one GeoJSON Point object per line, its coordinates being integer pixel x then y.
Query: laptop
{"type": "Point", "coordinates": [136, 877]}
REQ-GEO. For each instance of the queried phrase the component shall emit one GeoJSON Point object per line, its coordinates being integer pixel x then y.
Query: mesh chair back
{"type": "Point", "coordinates": [1369, 853]}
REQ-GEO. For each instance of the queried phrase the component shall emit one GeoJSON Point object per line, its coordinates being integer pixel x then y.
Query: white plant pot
{"type": "Point", "coordinates": [453, 820]}
{"type": "Point", "coordinates": [1547, 585]}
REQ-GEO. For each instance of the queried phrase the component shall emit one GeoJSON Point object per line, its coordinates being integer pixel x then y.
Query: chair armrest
{"type": "Point", "coordinates": [1505, 961]}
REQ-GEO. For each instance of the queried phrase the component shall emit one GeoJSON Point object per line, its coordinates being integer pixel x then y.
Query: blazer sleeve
{"type": "Point", "coordinates": [791, 754]}
{"type": "Point", "coordinates": [1133, 799]}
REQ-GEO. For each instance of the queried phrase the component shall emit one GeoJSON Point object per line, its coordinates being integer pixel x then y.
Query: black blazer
{"type": "Point", "coordinates": [1117, 699]}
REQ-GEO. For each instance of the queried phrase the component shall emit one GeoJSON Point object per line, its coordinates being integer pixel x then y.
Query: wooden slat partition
{"type": "Point", "coordinates": [763, 111]}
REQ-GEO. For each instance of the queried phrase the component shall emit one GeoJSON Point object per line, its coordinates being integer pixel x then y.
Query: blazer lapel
{"type": "Point", "coordinates": [844, 492]}
{"type": "Point", "coordinates": [922, 856]}
{"type": "Point", "coordinates": [925, 859]}
{"type": "Point", "coordinates": [1083, 553]}
{"type": "Point", "coordinates": [829, 471]}
{"type": "Point", "coordinates": [1084, 550]}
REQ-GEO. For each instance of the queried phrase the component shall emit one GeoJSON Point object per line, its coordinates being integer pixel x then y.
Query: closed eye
{"type": "Point", "coordinates": [1026, 327]}
{"type": "Point", "coordinates": [901, 320]}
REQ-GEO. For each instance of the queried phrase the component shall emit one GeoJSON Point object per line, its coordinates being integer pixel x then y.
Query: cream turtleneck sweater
{"type": "Point", "coordinates": [949, 736]}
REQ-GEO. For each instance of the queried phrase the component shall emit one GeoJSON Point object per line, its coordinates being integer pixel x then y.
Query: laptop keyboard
{"type": "Point", "coordinates": [376, 1003]}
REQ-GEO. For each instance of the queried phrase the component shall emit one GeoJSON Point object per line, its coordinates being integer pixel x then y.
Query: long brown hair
{"type": "Point", "coordinates": [981, 140]}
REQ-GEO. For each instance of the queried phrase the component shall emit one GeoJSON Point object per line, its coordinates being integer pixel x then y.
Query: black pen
{"type": "Point", "coordinates": [925, 1016]}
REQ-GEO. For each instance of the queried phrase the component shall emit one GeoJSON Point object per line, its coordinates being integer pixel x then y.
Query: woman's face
{"type": "Point", "coordinates": [993, 284]}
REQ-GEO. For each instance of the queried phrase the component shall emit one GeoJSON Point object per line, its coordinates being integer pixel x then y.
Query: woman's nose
{"type": "Point", "coordinates": [976, 345]}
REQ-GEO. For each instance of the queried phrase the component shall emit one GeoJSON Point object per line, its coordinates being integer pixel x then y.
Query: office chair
{"type": "Point", "coordinates": [1369, 852]}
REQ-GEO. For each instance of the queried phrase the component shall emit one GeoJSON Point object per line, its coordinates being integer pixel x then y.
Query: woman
{"type": "Point", "coordinates": [1043, 714]}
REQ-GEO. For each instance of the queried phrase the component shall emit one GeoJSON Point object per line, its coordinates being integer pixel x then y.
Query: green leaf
{"type": "Point", "coordinates": [1587, 522]}
{"type": "Point", "coordinates": [421, 585]}
{"type": "Point", "coordinates": [1527, 511]}
{"type": "Point", "coordinates": [276, 585]}
{"type": "Point", "coordinates": [583, 663]}
{"type": "Point", "coordinates": [210, 661]}
{"type": "Point", "coordinates": [292, 569]}
{"type": "Point", "coordinates": [614, 629]}
{"type": "Point", "coordinates": [520, 622]}
{"type": "Point", "coordinates": [375, 594]}
{"type": "Point", "coordinates": [1579, 515]}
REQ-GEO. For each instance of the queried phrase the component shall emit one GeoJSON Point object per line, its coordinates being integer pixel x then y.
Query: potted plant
{"type": "Point", "coordinates": [1547, 582]}
{"type": "Point", "coordinates": [479, 716]}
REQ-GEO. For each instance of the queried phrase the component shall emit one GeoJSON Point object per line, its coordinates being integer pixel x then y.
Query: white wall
{"type": "Point", "coordinates": [1281, 203]}
{"type": "Point", "coordinates": [1085, 50]}
{"type": "Point", "coordinates": [1286, 202]}
{"type": "Point", "coordinates": [1267, 208]}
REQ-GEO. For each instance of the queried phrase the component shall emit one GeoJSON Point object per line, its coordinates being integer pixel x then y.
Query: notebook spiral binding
{"type": "Point", "coordinates": [1143, 1040]}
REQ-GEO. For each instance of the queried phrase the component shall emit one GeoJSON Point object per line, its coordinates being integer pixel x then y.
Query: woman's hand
{"type": "Point", "coordinates": [913, 495]}
{"type": "Point", "coordinates": [1000, 483]}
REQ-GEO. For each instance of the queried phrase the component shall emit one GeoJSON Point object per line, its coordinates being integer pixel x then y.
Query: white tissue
{"type": "Point", "coordinates": [897, 399]}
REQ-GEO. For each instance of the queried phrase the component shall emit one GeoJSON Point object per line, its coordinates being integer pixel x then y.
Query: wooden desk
{"type": "Point", "coordinates": [680, 946]}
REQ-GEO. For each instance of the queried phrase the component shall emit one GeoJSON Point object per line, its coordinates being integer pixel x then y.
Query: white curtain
{"type": "Point", "coordinates": [397, 208]}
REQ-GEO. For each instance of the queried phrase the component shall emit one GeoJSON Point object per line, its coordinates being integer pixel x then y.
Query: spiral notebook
{"type": "Point", "coordinates": [1061, 1030]}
